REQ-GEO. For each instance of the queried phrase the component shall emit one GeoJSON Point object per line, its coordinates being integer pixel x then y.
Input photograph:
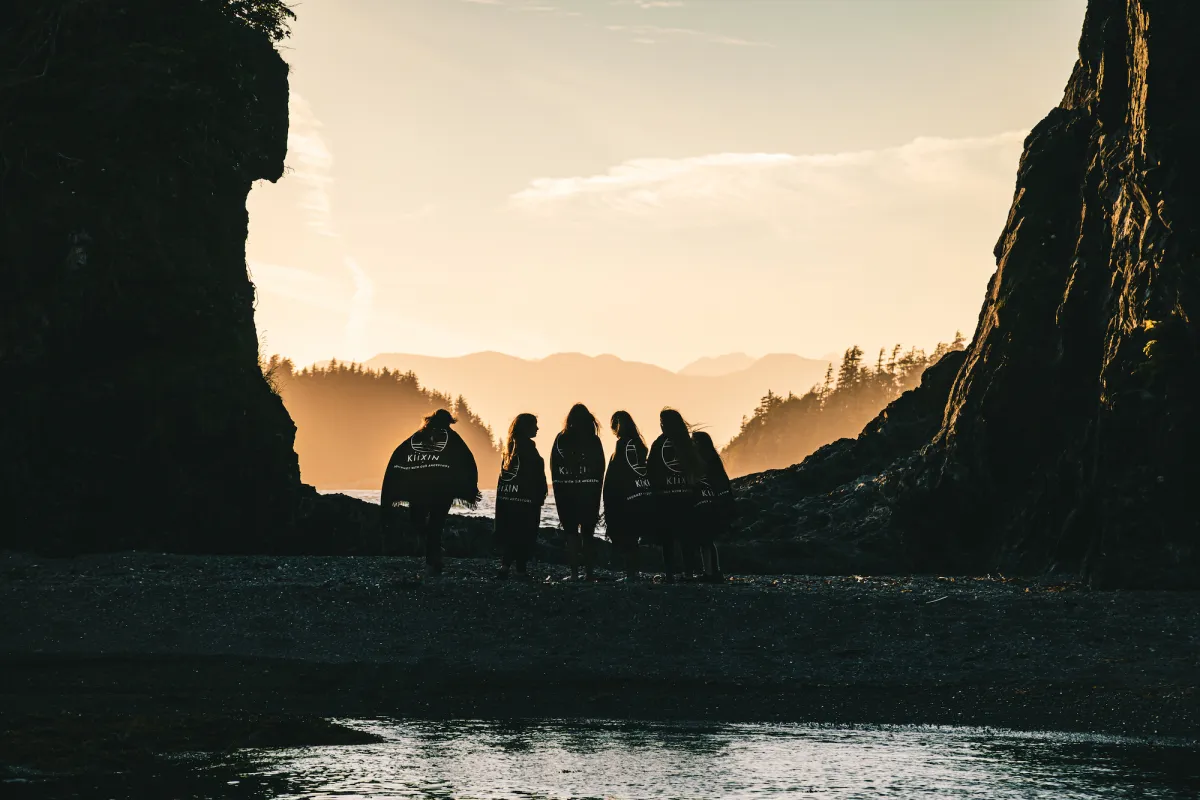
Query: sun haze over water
{"type": "Point", "coordinates": [659, 180]}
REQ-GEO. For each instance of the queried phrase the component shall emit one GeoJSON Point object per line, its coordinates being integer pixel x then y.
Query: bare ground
{"type": "Point", "coordinates": [179, 639]}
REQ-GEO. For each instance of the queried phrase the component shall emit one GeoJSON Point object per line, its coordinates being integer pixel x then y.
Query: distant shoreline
{"type": "Point", "coordinates": [176, 637]}
{"type": "Point", "coordinates": [485, 510]}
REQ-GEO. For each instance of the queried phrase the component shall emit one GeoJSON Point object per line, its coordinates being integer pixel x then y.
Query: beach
{"type": "Point", "coordinates": [172, 639]}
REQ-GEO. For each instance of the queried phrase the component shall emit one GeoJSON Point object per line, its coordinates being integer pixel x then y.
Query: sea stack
{"type": "Point", "coordinates": [1070, 430]}
{"type": "Point", "coordinates": [135, 414]}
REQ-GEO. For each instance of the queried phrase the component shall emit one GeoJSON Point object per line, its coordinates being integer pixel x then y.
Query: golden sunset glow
{"type": "Point", "coordinates": [659, 181]}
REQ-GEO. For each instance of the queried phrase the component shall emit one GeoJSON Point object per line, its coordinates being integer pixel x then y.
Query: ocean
{"type": "Point", "coordinates": [487, 506]}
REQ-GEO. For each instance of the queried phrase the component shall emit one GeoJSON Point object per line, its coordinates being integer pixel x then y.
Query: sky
{"type": "Point", "coordinates": [656, 179]}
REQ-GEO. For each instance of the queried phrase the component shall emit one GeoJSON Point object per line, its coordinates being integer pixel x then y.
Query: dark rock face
{"type": "Point", "coordinates": [135, 413]}
{"type": "Point", "coordinates": [1069, 432]}
{"type": "Point", "coordinates": [832, 513]}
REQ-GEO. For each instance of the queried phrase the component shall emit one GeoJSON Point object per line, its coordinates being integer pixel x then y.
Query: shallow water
{"type": "Point", "coordinates": [640, 760]}
{"type": "Point", "coordinates": [487, 506]}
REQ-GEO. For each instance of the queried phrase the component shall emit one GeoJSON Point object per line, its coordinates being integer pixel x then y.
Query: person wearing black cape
{"type": "Point", "coordinates": [577, 472]}
{"type": "Point", "coordinates": [715, 509]}
{"type": "Point", "coordinates": [675, 470]}
{"type": "Point", "coordinates": [627, 499]}
{"type": "Point", "coordinates": [520, 493]}
{"type": "Point", "coordinates": [430, 470]}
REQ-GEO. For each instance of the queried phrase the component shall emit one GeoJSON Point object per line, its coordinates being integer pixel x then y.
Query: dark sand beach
{"type": "Point", "coordinates": [112, 656]}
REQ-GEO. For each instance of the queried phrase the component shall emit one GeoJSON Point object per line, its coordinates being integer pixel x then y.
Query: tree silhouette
{"type": "Point", "coordinates": [782, 431]}
{"type": "Point", "coordinates": [270, 17]}
{"type": "Point", "coordinates": [349, 418]}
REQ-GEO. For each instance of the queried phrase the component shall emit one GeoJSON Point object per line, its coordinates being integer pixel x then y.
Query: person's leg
{"type": "Point", "coordinates": [689, 550]}
{"type": "Point", "coordinates": [587, 532]}
{"type": "Point", "coordinates": [418, 514]}
{"type": "Point", "coordinates": [629, 549]}
{"type": "Point", "coordinates": [573, 544]}
{"type": "Point", "coordinates": [714, 562]}
{"type": "Point", "coordinates": [433, 539]}
{"type": "Point", "coordinates": [526, 539]}
{"type": "Point", "coordinates": [620, 533]}
{"type": "Point", "coordinates": [504, 542]}
{"type": "Point", "coordinates": [693, 538]}
{"type": "Point", "coordinates": [385, 524]}
{"type": "Point", "coordinates": [668, 550]}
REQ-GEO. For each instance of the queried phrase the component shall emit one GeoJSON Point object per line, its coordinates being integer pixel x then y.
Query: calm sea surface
{"type": "Point", "coordinates": [487, 507]}
{"type": "Point", "coordinates": [640, 760]}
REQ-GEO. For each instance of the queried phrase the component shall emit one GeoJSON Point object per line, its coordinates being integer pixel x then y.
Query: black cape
{"type": "Point", "coordinates": [523, 484]}
{"type": "Point", "coordinates": [626, 483]}
{"type": "Point", "coordinates": [715, 505]}
{"type": "Point", "coordinates": [432, 466]}
{"type": "Point", "coordinates": [671, 487]}
{"type": "Point", "coordinates": [577, 470]}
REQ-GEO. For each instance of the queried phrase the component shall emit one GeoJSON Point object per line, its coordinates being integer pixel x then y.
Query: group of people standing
{"type": "Point", "coordinates": [675, 493]}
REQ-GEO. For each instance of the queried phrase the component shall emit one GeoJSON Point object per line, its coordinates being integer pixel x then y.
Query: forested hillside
{"type": "Point", "coordinates": [784, 430]}
{"type": "Point", "coordinates": [349, 419]}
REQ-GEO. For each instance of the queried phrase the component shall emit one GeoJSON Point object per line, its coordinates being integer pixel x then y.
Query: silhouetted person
{"type": "Point", "coordinates": [675, 471]}
{"type": "Point", "coordinates": [430, 470]}
{"type": "Point", "coordinates": [520, 493]}
{"type": "Point", "coordinates": [628, 504]}
{"type": "Point", "coordinates": [577, 472]}
{"type": "Point", "coordinates": [715, 509]}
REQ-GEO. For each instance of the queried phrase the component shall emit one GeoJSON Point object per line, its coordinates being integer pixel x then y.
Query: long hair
{"type": "Point", "coordinates": [680, 433]}
{"type": "Point", "coordinates": [623, 427]}
{"type": "Point", "coordinates": [705, 447]}
{"type": "Point", "coordinates": [580, 423]}
{"type": "Point", "coordinates": [522, 427]}
{"type": "Point", "coordinates": [438, 420]}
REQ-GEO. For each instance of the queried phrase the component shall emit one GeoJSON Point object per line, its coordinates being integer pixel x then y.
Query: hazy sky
{"type": "Point", "coordinates": [657, 179]}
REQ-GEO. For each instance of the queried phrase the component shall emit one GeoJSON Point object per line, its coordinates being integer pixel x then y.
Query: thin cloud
{"type": "Point", "coordinates": [359, 318]}
{"type": "Point", "coordinates": [311, 165]}
{"type": "Point", "coordinates": [531, 6]}
{"type": "Point", "coordinates": [650, 3]}
{"type": "Point", "coordinates": [649, 34]}
{"type": "Point", "coordinates": [311, 162]}
{"type": "Point", "coordinates": [782, 188]}
{"type": "Point", "coordinates": [300, 285]}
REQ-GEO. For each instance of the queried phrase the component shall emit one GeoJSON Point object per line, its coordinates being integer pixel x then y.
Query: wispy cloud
{"type": "Point", "coordinates": [300, 285]}
{"type": "Point", "coordinates": [728, 187]}
{"type": "Point", "coordinates": [312, 165]}
{"type": "Point", "coordinates": [359, 318]}
{"type": "Point", "coordinates": [650, 3]}
{"type": "Point", "coordinates": [652, 34]}
{"type": "Point", "coordinates": [531, 6]}
{"type": "Point", "coordinates": [311, 162]}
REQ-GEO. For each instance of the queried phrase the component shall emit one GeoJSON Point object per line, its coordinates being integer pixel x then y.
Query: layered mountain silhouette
{"type": "Point", "coordinates": [501, 386]}
{"type": "Point", "coordinates": [715, 366]}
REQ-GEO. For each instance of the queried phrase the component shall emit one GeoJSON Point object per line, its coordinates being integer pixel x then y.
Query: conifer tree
{"type": "Point", "coordinates": [782, 431]}
{"type": "Point", "coordinates": [349, 418]}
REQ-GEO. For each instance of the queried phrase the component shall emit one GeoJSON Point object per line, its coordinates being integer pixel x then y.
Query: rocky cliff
{"type": "Point", "coordinates": [135, 413]}
{"type": "Point", "coordinates": [1067, 436]}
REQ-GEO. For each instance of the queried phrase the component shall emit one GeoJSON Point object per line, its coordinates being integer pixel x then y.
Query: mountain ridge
{"type": "Point", "coordinates": [499, 386]}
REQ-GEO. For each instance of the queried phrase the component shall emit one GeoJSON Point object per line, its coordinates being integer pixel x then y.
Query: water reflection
{"type": "Point", "coordinates": [629, 760]}
{"type": "Point", "coordinates": [195, 777]}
